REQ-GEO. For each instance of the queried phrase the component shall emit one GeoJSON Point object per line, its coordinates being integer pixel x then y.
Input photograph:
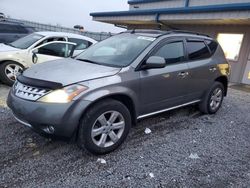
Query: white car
{"type": "Point", "coordinates": [38, 47]}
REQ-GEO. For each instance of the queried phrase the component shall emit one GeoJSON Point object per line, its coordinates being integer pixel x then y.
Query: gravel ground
{"type": "Point", "coordinates": [184, 149]}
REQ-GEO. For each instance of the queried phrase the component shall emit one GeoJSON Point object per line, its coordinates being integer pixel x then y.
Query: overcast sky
{"type": "Point", "coordinates": [63, 12]}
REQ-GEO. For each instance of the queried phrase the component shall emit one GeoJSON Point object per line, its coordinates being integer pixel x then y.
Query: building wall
{"type": "Point", "coordinates": [214, 2]}
{"type": "Point", "coordinates": [181, 3]}
{"type": "Point", "coordinates": [160, 4]}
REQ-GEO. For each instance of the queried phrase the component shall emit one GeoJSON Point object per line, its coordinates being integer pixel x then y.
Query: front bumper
{"type": "Point", "coordinates": [64, 118]}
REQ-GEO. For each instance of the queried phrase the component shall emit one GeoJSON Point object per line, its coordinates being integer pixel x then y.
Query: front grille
{"type": "Point", "coordinates": [28, 92]}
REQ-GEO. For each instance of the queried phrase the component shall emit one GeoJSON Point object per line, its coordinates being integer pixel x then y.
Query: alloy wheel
{"type": "Point", "coordinates": [216, 98]}
{"type": "Point", "coordinates": [108, 129]}
{"type": "Point", "coordinates": [12, 71]}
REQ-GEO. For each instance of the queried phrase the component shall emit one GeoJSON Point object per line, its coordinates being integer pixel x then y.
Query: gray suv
{"type": "Point", "coordinates": [100, 94]}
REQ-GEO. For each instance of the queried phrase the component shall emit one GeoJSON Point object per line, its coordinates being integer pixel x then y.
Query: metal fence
{"type": "Point", "coordinates": [47, 27]}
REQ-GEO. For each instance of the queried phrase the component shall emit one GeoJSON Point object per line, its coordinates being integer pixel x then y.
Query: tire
{"type": "Point", "coordinates": [97, 122]}
{"type": "Point", "coordinates": [9, 70]}
{"type": "Point", "coordinates": [206, 106]}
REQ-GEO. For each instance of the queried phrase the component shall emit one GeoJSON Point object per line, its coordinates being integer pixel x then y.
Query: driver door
{"type": "Point", "coordinates": [163, 88]}
{"type": "Point", "coordinates": [52, 51]}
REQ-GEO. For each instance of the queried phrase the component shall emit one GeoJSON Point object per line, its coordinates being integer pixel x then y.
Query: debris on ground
{"type": "Point", "coordinates": [102, 161]}
{"type": "Point", "coordinates": [151, 175]}
{"type": "Point", "coordinates": [148, 131]}
{"type": "Point", "coordinates": [36, 153]}
{"type": "Point", "coordinates": [194, 156]}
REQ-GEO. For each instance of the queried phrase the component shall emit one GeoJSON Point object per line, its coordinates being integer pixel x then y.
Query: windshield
{"type": "Point", "coordinates": [118, 51]}
{"type": "Point", "coordinates": [26, 42]}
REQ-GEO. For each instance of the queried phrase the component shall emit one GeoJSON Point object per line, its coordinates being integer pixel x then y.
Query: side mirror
{"type": "Point", "coordinates": [34, 56]}
{"type": "Point", "coordinates": [35, 51]}
{"type": "Point", "coordinates": [154, 62]}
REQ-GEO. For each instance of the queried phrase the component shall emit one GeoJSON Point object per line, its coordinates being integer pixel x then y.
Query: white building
{"type": "Point", "coordinates": [226, 20]}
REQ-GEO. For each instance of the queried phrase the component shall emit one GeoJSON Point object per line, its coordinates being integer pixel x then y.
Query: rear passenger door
{"type": "Point", "coordinates": [165, 87]}
{"type": "Point", "coordinates": [202, 67]}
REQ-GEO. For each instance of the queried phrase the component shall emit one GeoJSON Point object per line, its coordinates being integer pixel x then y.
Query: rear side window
{"type": "Point", "coordinates": [197, 50]}
{"type": "Point", "coordinates": [212, 45]}
{"type": "Point", "coordinates": [172, 52]}
{"type": "Point", "coordinates": [80, 43]}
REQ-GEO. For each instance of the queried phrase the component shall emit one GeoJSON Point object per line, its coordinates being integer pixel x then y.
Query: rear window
{"type": "Point", "coordinates": [5, 28]}
{"type": "Point", "coordinates": [212, 45]}
{"type": "Point", "coordinates": [197, 50]}
{"type": "Point", "coordinates": [80, 43]}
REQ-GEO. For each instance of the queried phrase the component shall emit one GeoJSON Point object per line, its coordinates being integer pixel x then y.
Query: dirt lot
{"type": "Point", "coordinates": [184, 149]}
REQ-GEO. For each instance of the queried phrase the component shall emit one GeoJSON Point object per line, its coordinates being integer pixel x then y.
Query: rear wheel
{"type": "Point", "coordinates": [104, 127]}
{"type": "Point", "coordinates": [213, 99]}
{"type": "Point", "coordinates": [9, 71]}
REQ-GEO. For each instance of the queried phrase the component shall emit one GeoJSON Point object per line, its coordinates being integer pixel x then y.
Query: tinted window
{"type": "Point", "coordinates": [5, 28]}
{"type": "Point", "coordinates": [197, 50]}
{"type": "Point", "coordinates": [56, 49]}
{"type": "Point", "coordinates": [80, 43]}
{"type": "Point", "coordinates": [212, 45]}
{"type": "Point", "coordinates": [172, 52]}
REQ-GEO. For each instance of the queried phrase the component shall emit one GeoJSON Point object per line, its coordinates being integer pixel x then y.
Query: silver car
{"type": "Point", "coordinates": [100, 94]}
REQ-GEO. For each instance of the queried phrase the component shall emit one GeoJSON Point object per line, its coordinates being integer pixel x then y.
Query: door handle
{"type": "Point", "coordinates": [183, 74]}
{"type": "Point", "coordinates": [213, 69]}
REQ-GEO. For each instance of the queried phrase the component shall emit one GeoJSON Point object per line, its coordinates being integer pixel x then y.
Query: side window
{"type": "Point", "coordinates": [80, 43]}
{"type": "Point", "coordinates": [172, 52]}
{"type": "Point", "coordinates": [197, 50]}
{"type": "Point", "coordinates": [212, 45]}
{"type": "Point", "coordinates": [56, 49]}
{"type": "Point", "coordinates": [51, 40]}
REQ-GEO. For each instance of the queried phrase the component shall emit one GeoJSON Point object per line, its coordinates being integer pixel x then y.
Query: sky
{"type": "Point", "coordinates": [63, 12]}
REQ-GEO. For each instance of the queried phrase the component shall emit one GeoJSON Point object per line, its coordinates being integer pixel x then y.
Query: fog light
{"type": "Point", "coordinates": [49, 129]}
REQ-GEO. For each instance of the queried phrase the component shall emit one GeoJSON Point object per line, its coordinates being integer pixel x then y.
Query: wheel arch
{"type": "Point", "coordinates": [11, 60]}
{"type": "Point", "coordinates": [224, 81]}
{"type": "Point", "coordinates": [123, 98]}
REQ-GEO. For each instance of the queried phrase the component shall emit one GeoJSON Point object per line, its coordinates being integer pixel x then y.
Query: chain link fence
{"type": "Point", "coordinates": [47, 27]}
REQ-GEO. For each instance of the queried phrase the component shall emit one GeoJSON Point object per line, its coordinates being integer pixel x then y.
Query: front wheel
{"type": "Point", "coordinates": [104, 127]}
{"type": "Point", "coordinates": [9, 71]}
{"type": "Point", "coordinates": [213, 99]}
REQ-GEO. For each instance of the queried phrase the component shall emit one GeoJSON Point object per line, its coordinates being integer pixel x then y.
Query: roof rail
{"type": "Point", "coordinates": [149, 31]}
{"type": "Point", "coordinates": [187, 32]}
{"type": "Point", "coordinates": [162, 32]}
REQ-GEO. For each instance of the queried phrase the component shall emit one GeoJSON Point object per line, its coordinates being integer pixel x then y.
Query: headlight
{"type": "Point", "coordinates": [63, 95]}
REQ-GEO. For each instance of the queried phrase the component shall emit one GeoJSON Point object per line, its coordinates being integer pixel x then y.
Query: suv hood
{"type": "Point", "coordinates": [7, 48]}
{"type": "Point", "coordinates": [69, 71]}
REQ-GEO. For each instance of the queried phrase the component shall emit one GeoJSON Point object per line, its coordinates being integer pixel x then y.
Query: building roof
{"type": "Point", "coordinates": [131, 2]}
{"type": "Point", "coordinates": [195, 9]}
{"type": "Point", "coordinates": [219, 14]}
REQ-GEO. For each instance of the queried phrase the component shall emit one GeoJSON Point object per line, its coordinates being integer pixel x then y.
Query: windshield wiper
{"type": "Point", "coordinates": [89, 61]}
